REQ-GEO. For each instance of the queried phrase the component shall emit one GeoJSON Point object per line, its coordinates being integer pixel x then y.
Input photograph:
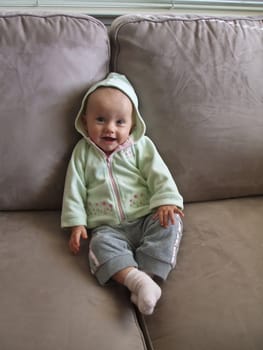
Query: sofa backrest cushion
{"type": "Point", "coordinates": [200, 86]}
{"type": "Point", "coordinates": [47, 63]}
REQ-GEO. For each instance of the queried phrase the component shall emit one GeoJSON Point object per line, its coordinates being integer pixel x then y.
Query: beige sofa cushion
{"type": "Point", "coordinates": [47, 62]}
{"type": "Point", "coordinates": [199, 80]}
{"type": "Point", "coordinates": [49, 300]}
{"type": "Point", "coordinates": [214, 298]}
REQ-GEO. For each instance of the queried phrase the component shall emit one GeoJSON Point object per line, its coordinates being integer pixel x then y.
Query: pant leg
{"type": "Point", "coordinates": [109, 252]}
{"type": "Point", "coordinates": [159, 247]}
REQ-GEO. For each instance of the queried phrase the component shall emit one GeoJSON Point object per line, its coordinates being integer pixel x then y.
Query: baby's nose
{"type": "Point", "coordinates": [109, 127]}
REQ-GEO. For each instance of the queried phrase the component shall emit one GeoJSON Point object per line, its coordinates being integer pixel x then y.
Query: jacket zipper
{"type": "Point", "coordinates": [113, 182]}
{"type": "Point", "coordinates": [116, 191]}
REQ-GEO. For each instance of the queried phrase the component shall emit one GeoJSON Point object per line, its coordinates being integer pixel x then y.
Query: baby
{"type": "Point", "coordinates": [119, 190]}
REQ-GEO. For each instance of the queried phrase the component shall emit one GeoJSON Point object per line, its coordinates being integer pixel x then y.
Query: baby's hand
{"type": "Point", "coordinates": [165, 213]}
{"type": "Point", "coordinates": [77, 232]}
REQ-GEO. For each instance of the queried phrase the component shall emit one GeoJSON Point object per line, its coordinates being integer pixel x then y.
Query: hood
{"type": "Point", "coordinates": [120, 82]}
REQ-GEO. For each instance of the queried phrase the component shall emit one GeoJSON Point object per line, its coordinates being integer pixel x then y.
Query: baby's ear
{"type": "Point", "coordinates": [132, 128]}
{"type": "Point", "coordinates": [84, 119]}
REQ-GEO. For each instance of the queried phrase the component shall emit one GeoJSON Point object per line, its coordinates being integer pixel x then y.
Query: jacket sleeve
{"type": "Point", "coordinates": [74, 198]}
{"type": "Point", "coordinates": [162, 187]}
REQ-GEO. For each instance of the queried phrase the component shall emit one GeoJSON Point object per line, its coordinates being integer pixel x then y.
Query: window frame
{"type": "Point", "coordinates": [137, 6]}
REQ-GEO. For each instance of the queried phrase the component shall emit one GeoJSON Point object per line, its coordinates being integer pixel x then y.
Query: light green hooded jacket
{"type": "Point", "coordinates": [127, 185]}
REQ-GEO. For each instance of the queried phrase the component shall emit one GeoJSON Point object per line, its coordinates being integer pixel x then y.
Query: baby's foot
{"type": "Point", "coordinates": [146, 307]}
{"type": "Point", "coordinates": [145, 292]}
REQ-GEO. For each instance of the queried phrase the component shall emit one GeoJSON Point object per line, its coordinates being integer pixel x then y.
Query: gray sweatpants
{"type": "Point", "coordinates": [143, 243]}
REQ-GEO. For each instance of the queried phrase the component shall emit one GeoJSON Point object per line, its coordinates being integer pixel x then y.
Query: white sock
{"type": "Point", "coordinates": [144, 291]}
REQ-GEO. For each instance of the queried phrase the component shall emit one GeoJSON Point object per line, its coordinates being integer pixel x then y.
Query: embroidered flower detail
{"type": "Point", "coordinates": [138, 200]}
{"type": "Point", "coordinates": [99, 208]}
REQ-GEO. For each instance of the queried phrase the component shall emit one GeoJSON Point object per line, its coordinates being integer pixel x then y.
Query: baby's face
{"type": "Point", "coordinates": [108, 119]}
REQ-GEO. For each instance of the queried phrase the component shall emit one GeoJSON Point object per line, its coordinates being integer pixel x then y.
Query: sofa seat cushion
{"type": "Point", "coordinates": [214, 298]}
{"type": "Point", "coordinates": [49, 300]}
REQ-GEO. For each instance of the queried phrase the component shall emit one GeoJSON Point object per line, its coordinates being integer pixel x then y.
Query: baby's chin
{"type": "Point", "coordinates": [109, 144]}
{"type": "Point", "coordinates": [109, 148]}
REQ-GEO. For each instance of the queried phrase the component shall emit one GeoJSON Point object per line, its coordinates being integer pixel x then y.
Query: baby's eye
{"type": "Point", "coordinates": [100, 119]}
{"type": "Point", "coordinates": [120, 122]}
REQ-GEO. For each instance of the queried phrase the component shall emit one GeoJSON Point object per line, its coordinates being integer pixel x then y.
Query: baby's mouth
{"type": "Point", "coordinates": [109, 139]}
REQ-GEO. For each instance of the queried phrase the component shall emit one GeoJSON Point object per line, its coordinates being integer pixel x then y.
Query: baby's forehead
{"type": "Point", "coordinates": [105, 91]}
{"type": "Point", "coordinates": [106, 97]}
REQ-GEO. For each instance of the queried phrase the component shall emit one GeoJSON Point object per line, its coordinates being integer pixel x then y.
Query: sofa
{"type": "Point", "coordinates": [200, 85]}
